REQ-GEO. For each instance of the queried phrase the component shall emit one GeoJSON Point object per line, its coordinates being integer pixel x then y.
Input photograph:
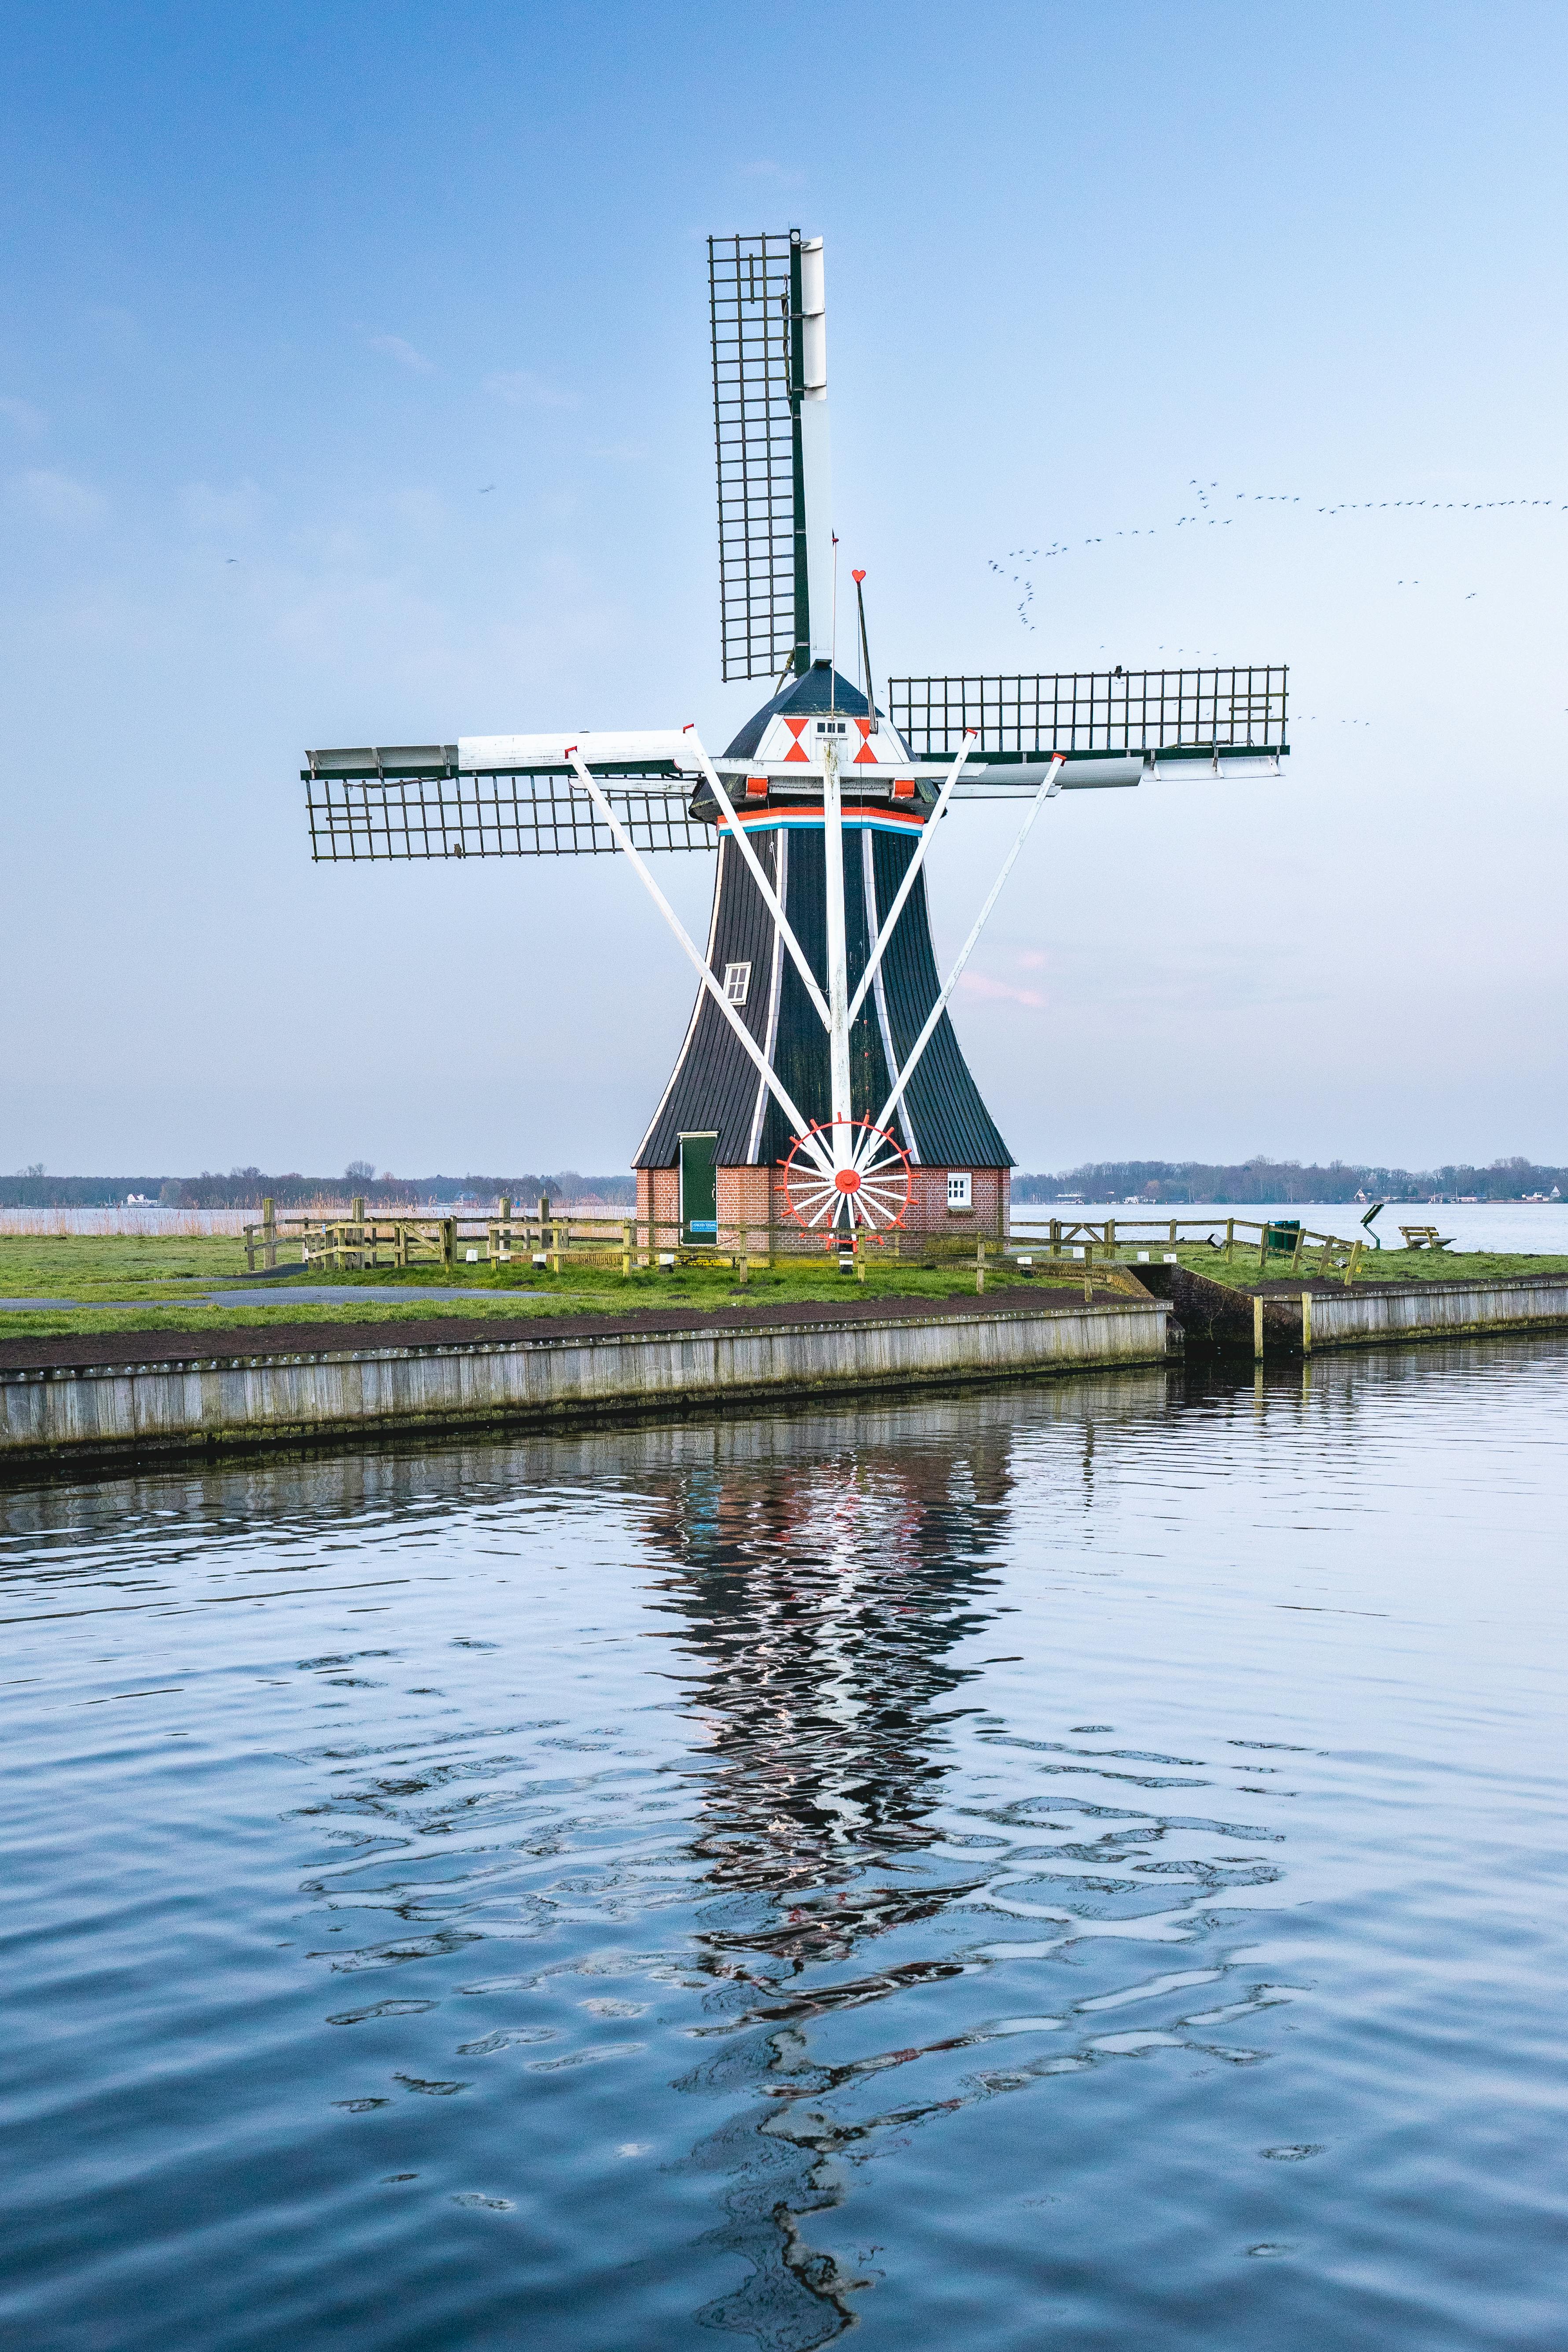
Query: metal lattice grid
{"type": "Point", "coordinates": [1083, 711]}
{"type": "Point", "coordinates": [750, 281]}
{"type": "Point", "coordinates": [478, 816]}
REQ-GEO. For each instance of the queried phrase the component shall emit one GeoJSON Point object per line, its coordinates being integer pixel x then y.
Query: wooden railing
{"type": "Point", "coordinates": [1278, 1240]}
{"type": "Point", "coordinates": [552, 1240]}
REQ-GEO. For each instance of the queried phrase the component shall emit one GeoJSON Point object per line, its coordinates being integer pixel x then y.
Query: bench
{"type": "Point", "coordinates": [1425, 1237]}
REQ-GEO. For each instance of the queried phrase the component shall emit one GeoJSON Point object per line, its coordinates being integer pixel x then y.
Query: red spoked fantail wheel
{"type": "Point", "coordinates": [868, 1195]}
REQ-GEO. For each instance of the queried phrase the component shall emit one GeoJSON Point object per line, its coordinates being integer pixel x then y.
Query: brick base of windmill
{"type": "Point", "coordinates": [754, 1210]}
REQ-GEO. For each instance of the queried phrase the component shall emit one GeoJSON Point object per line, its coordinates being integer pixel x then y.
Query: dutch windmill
{"type": "Point", "coordinates": [820, 1079]}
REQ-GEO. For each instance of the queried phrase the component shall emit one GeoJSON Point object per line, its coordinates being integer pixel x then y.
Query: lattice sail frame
{"type": "Point", "coordinates": [424, 811]}
{"type": "Point", "coordinates": [450, 800]}
{"type": "Point", "coordinates": [1092, 714]}
{"type": "Point", "coordinates": [754, 292]}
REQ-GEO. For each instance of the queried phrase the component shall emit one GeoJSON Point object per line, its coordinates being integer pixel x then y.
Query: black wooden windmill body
{"type": "Point", "coordinates": [820, 1084]}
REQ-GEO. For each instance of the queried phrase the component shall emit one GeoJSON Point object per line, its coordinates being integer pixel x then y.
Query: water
{"type": "Point", "coordinates": [1080, 1866]}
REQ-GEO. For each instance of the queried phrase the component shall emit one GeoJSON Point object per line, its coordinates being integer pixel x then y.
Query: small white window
{"type": "Point", "coordinates": [737, 981]}
{"type": "Point", "coordinates": [958, 1196]}
{"type": "Point", "coordinates": [833, 727]}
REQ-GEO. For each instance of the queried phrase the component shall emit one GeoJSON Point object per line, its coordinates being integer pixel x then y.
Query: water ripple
{"type": "Point", "coordinates": [786, 1827]}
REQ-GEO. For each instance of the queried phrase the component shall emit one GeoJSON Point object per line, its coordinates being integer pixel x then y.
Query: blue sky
{"type": "Point", "coordinates": [284, 290]}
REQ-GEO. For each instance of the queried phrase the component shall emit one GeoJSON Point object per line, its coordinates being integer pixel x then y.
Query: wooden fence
{"type": "Point", "coordinates": [550, 1241]}
{"type": "Point", "coordinates": [1283, 1246]}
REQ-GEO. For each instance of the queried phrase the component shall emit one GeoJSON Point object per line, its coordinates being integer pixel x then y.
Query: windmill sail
{"type": "Point", "coordinates": [1113, 727]}
{"type": "Point", "coordinates": [496, 796]}
{"type": "Point", "coordinates": [754, 303]}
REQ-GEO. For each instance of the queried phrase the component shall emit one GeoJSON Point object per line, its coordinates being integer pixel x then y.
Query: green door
{"type": "Point", "coordinates": [698, 1189]}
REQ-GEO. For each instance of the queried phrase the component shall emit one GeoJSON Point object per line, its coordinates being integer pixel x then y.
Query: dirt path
{"type": "Point", "coordinates": [69, 1350]}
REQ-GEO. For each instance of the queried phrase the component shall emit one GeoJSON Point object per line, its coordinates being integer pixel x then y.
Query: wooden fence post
{"type": "Point", "coordinates": [1258, 1328]}
{"type": "Point", "coordinates": [1229, 1239]}
{"type": "Point", "coordinates": [1353, 1262]}
{"type": "Point", "coordinates": [268, 1233]}
{"type": "Point", "coordinates": [1306, 1322]}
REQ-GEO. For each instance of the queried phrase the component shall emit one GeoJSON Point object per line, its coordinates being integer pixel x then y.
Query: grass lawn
{"type": "Point", "coordinates": [158, 1276]}
{"type": "Point", "coordinates": [1376, 1266]}
{"type": "Point", "coordinates": [115, 1265]}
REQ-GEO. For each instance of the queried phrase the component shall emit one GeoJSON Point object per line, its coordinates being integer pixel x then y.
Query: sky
{"type": "Point", "coordinates": [285, 291]}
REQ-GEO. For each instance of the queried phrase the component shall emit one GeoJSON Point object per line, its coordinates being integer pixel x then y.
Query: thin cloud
{"type": "Point", "coordinates": [58, 498]}
{"type": "Point", "coordinates": [521, 388]}
{"type": "Point", "coordinates": [24, 416]}
{"type": "Point", "coordinates": [209, 510]}
{"type": "Point", "coordinates": [403, 354]}
{"type": "Point", "coordinates": [998, 992]}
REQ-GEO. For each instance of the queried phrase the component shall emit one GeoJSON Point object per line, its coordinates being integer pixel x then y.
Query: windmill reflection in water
{"type": "Point", "coordinates": [821, 1603]}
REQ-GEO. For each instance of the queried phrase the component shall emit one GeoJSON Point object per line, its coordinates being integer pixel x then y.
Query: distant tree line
{"type": "Point", "coordinates": [1196, 1181]}
{"type": "Point", "coordinates": [246, 1187]}
{"type": "Point", "coordinates": [1158, 1181]}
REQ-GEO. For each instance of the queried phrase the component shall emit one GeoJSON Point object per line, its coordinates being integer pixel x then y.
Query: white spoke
{"type": "Point", "coordinates": [876, 1196]}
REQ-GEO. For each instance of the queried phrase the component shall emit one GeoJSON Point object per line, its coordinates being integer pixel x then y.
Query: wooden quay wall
{"type": "Point", "coordinates": [1436, 1311]}
{"type": "Point", "coordinates": [1279, 1319]}
{"type": "Point", "coordinates": [59, 1414]}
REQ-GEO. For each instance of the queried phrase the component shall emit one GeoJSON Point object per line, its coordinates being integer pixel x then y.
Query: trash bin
{"type": "Point", "coordinates": [1283, 1234]}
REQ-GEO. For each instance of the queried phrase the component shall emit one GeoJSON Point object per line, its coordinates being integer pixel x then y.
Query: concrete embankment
{"type": "Point", "coordinates": [61, 1412]}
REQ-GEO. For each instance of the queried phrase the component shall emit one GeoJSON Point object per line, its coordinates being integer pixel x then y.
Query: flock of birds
{"type": "Point", "coordinates": [1210, 515]}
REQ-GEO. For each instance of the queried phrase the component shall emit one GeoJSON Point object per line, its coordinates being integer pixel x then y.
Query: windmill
{"type": "Point", "coordinates": [820, 1085]}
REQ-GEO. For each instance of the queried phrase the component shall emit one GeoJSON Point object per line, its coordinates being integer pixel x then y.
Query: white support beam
{"type": "Point", "coordinates": [838, 959]}
{"type": "Point", "coordinates": [911, 872]}
{"type": "Point", "coordinates": [754, 867]}
{"type": "Point", "coordinates": [816, 456]}
{"type": "Point", "coordinates": [802, 1125]}
{"type": "Point", "coordinates": [1049, 789]}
